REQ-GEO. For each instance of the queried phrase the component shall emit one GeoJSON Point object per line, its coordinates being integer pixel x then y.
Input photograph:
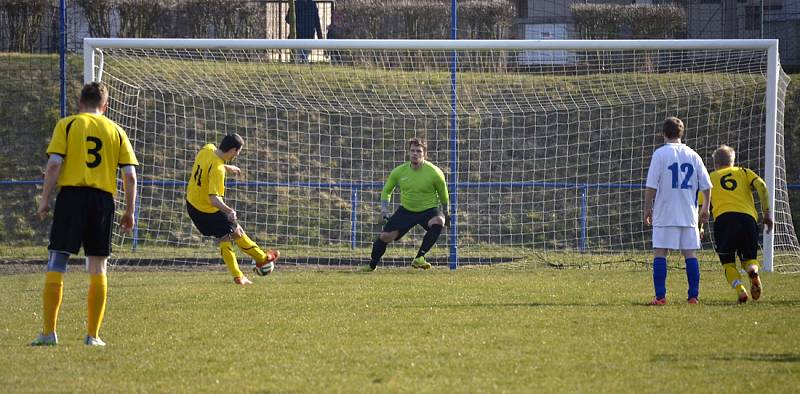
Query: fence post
{"type": "Point", "coordinates": [584, 191]}
{"type": "Point", "coordinates": [353, 215]}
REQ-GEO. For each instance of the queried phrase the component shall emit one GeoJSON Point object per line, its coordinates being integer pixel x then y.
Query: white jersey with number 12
{"type": "Point", "coordinates": [678, 174]}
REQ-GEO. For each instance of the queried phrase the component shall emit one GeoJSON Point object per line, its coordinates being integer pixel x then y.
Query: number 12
{"type": "Point", "coordinates": [685, 167]}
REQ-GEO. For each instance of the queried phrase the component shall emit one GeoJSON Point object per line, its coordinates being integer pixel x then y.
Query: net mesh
{"type": "Point", "coordinates": [551, 148]}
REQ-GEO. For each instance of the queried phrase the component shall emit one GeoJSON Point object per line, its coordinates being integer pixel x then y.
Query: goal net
{"type": "Point", "coordinates": [545, 145]}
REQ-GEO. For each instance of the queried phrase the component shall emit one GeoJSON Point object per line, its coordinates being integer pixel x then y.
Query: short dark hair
{"type": "Point", "coordinates": [673, 128]}
{"type": "Point", "coordinates": [94, 95]}
{"type": "Point", "coordinates": [418, 142]}
{"type": "Point", "coordinates": [230, 141]}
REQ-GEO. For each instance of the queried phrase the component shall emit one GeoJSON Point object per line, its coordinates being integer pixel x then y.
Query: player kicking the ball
{"type": "Point", "coordinates": [735, 227]}
{"type": "Point", "coordinates": [422, 189]}
{"type": "Point", "coordinates": [675, 177]}
{"type": "Point", "coordinates": [215, 218]}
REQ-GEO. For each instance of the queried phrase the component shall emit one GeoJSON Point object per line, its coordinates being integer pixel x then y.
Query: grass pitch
{"type": "Point", "coordinates": [397, 330]}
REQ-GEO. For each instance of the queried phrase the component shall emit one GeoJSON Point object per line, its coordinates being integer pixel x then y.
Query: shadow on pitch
{"type": "Point", "coordinates": [753, 357]}
{"type": "Point", "coordinates": [482, 305]}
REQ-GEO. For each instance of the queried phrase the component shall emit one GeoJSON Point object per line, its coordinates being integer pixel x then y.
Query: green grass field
{"type": "Point", "coordinates": [398, 330]}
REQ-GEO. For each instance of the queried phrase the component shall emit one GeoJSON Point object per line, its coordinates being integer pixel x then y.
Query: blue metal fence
{"type": "Point", "coordinates": [356, 188]}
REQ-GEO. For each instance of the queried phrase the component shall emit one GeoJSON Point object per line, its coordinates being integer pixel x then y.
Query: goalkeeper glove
{"type": "Point", "coordinates": [446, 213]}
{"type": "Point", "coordinates": [385, 211]}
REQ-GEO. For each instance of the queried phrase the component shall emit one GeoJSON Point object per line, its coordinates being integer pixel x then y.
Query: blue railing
{"type": "Point", "coordinates": [356, 188]}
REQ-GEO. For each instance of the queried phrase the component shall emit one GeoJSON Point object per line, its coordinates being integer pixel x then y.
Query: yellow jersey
{"type": "Point", "coordinates": [733, 191]}
{"type": "Point", "coordinates": [207, 178]}
{"type": "Point", "coordinates": [93, 147]}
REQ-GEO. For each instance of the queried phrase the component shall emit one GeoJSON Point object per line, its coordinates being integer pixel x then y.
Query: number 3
{"type": "Point", "coordinates": [95, 152]}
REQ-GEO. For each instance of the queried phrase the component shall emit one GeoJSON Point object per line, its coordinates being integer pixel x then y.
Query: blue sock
{"type": "Point", "coordinates": [660, 276]}
{"type": "Point", "coordinates": [693, 276]}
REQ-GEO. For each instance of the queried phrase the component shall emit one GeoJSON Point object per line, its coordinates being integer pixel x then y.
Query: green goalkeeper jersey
{"type": "Point", "coordinates": [420, 189]}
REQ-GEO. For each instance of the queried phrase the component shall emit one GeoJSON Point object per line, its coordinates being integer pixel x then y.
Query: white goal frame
{"type": "Point", "coordinates": [92, 71]}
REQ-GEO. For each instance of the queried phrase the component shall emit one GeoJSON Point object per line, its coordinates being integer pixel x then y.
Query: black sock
{"type": "Point", "coordinates": [378, 249]}
{"type": "Point", "coordinates": [430, 238]}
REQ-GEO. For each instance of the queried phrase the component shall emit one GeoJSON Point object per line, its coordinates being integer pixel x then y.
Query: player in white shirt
{"type": "Point", "coordinates": [675, 178]}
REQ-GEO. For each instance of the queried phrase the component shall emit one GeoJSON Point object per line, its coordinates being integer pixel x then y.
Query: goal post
{"type": "Point", "coordinates": [544, 143]}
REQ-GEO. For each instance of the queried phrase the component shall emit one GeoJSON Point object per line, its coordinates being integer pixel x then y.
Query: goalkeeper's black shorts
{"type": "Point", "coordinates": [735, 233]}
{"type": "Point", "coordinates": [404, 220]}
{"type": "Point", "coordinates": [210, 224]}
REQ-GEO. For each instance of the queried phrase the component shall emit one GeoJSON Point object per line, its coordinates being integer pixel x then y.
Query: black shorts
{"type": "Point", "coordinates": [404, 220]}
{"type": "Point", "coordinates": [210, 224]}
{"type": "Point", "coordinates": [82, 216]}
{"type": "Point", "coordinates": [735, 233]}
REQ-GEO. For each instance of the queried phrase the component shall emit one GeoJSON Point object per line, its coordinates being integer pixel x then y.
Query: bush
{"type": "Point", "coordinates": [638, 21]}
{"type": "Point", "coordinates": [485, 19]}
{"type": "Point", "coordinates": [24, 19]}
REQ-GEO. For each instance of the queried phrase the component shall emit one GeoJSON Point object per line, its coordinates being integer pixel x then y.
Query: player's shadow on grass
{"type": "Point", "coordinates": [764, 302]}
{"type": "Point", "coordinates": [754, 357]}
{"type": "Point", "coordinates": [504, 305]}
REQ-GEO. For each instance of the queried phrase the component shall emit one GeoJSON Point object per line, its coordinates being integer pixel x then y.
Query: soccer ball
{"type": "Point", "coordinates": [263, 270]}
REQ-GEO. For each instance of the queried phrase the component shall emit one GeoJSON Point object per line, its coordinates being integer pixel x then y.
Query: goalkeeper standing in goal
{"type": "Point", "coordinates": [211, 215]}
{"type": "Point", "coordinates": [85, 151]}
{"type": "Point", "coordinates": [422, 189]}
{"type": "Point", "coordinates": [676, 176]}
{"type": "Point", "coordinates": [735, 227]}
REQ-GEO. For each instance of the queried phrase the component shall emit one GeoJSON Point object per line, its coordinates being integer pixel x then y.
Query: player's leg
{"type": "Point", "coordinates": [217, 225]}
{"type": "Point", "coordinates": [65, 239]}
{"type": "Point", "coordinates": [725, 230]}
{"type": "Point", "coordinates": [96, 298]}
{"type": "Point", "coordinates": [251, 249]}
{"type": "Point", "coordinates": [379, 247]}
{"type": "Point", "coordinates": [663, 240]}
{"type": "Point", "coordinates": [690, 242]}
{"type": "Point", "coordinates": [97, 247]}
{"type": "Point", "coordinates": [52, 295]}
{"type": "Point", "coordinates": [433, 226]}
{"type": "Point", "coordinates": [398, 225]}
{"type": "Point", "coordinates": [748, 250]}
{"type": "Point", "coordinates": [692, 275]}
{"type": "Point", "coordinates": [229, 257]}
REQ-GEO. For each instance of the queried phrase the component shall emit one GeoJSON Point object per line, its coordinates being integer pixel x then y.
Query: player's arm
{"type": "Point", "coordinates": [129, 183]}
{"type": "Point", "coordinates": [386, 194]}
{"type": "Point", "coordinates": [651, 185]}
{"type": "Point", "coordinates": [51, 173]}
{"type": "Point", "coordinates": [216, 201]}
{"type": "Point", "coordinates": [233, 170]}
{"type": "Point", "coordinates": [704, 184]}
{"type": "Point", "coordinates": [763, 196]}
{"type": "Point", "coordinates": [444, 196]}
{"type": "Point", "coordinates": [700, 199]}
{"type": "Point", "coordinates": [57, 150]}
{"type": "Point", "coordinates": [649, 197]}
{"type": "Point", "coordinates": [216, 187]}
{"type": "Point", "coordinates": [705, 207]}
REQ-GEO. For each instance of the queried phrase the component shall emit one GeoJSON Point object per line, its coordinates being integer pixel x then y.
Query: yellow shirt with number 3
{"type": "Point", "coordinates": [93, 147]}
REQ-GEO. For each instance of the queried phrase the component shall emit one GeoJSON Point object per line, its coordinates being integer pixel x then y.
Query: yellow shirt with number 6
{"type": "Point", "coordinates": [733, 191]}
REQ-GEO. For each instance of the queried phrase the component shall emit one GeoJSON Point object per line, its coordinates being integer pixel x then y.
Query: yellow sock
{"type": "Point", "coordinates": [96, 302]}
{"type": "Point", "coordinates": [747, 263]}
{"type": "Point", "coordinates": [226, 250]}
{"type": "Point", "coordinates": [248, 246]}
{"type": "Point", "coordinates": [51, 300]}
{"type": "Point", "coordinates": [732, 275]}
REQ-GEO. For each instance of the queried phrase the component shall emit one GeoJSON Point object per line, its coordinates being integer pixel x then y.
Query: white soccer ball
{"type": "Point", "coordinates": [264, 270]}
